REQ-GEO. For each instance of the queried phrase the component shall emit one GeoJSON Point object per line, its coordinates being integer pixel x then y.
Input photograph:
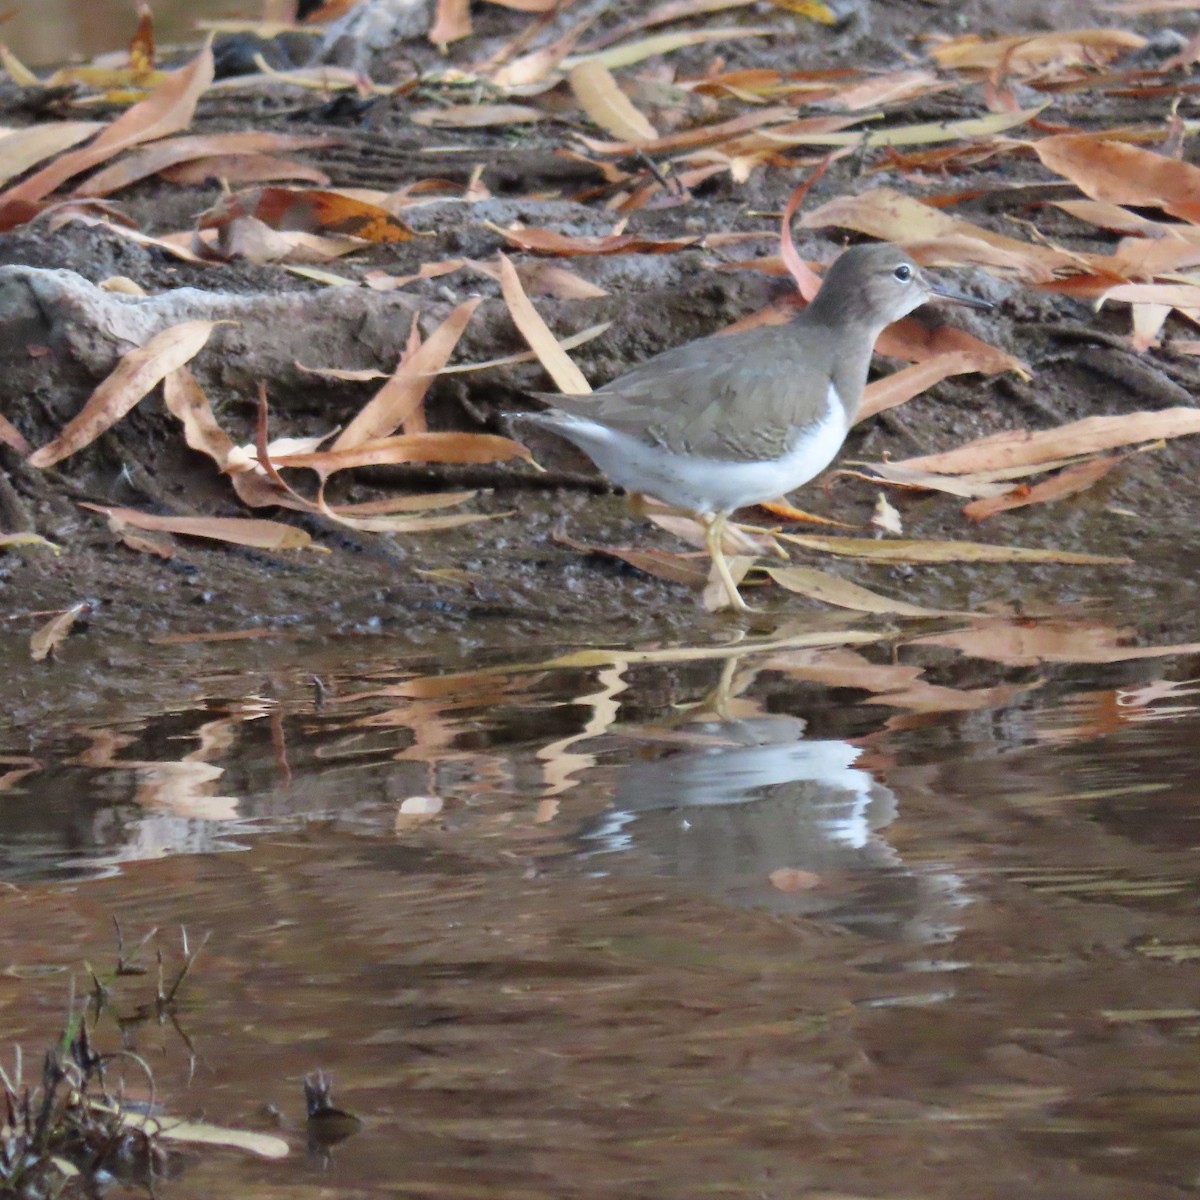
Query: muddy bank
{"type": "Point", "coordinates": [61, 336]}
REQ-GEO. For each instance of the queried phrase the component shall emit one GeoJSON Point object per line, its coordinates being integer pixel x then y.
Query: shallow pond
{"type": "Point", "coordinates": [759, 918]}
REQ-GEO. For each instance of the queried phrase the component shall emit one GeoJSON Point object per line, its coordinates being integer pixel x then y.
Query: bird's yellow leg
{"type": "Point", "coordinates": [714, 532]}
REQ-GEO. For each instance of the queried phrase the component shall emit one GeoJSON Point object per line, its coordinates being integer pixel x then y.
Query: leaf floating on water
{"type": "Point", "coordinates": [201, 1133]}
{"type": "Point", "coordinates": [903, 550]}
{"type": "Point", "coordinates": [133, 377]}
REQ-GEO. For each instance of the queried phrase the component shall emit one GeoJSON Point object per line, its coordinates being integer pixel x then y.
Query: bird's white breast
{"type": "Point", "coordinates": [705, 485]}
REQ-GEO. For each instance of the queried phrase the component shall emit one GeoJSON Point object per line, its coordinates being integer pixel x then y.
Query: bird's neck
{"type": "Point", "coordinates": [852, 340]}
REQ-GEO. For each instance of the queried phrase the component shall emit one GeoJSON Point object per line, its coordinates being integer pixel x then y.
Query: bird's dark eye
{"type": "Point", "coordinates": [903, 272]}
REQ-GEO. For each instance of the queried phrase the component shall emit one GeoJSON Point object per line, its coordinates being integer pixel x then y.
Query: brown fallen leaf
{"type": "Point", "coordinates": [171, 152]}
{"type": "Point", "coordinates": [627, 53]}
{"type": "Point", "coordinates": [160, 545]}
{"type": "Point", "coordinates": [451, 22]}
{"type": "Point", "coordinates": [408, 448]}
{"type": "Point", "coordinates": [476, 116]}
{"type": "Point", "coordinates": [888, 88]}
{"type": "Point", "coordinates": [801, 133]}
{"type": "Point", "coordinates": [831, 589]}
{"type": "Point", "coordinates": [905, 550]}
{"type": "Point", "coordinates": [901, 386]}
{"type": "Point", "coordinates": [244, 169]}
{"type": "Point", "coordinates": [547, 241]}
{"type": "Point", "coordinates": [687, 569]}
{"type": "Point", "coordinates": [706, 135]}
{"type": "Point", "coordinates": [381, 281]}
{"type": "Point", "coordinates": [238, 531]}
{"type": "Point", "coordinates": [1164, 295]}
{"type": "Point", "coordinates": [601, 98]}
{"type": "Point", "coordinates": [1114, 171]}
{"type": "Point", "coordinates": [310, 210]}
{"type": "Point", "coordinates": [548, 279]}
{"type": "Point", "coordinates": [808, 282]}
{"type": "Point", "coordinates": [1025, 54]}
{"type": "Point", "coordinates": [133, 377]}
{"type": "Point", "coordinates": [969, 487]}
{"type": "Point", "coordinates": [1089, 436]}
{"type": "Point", "coordinates": [400, 396]}
{"type": "Point", "coordinates": [48, 637]}
{"type": "Point", "coordinates": [788, 512]}
{"type": "Point", "coordinates": [186, 401]}
{"type": "Point", "coordinates": [167, 110]}
{"type": "Point", "coordinates": [10, 435]}
{"type": "Point", "coordinates": [23, 149]}
{"type": "Point", "coordinates": [1068, 482]}
{"type": "Point", "coordinates": [715, 596]}
{"type": "Point", "coordinates": [568, 378]}
{"type": "Point", "coordinates": [255, 241]}
{"type": "Point", "coordinates": [892, 216]}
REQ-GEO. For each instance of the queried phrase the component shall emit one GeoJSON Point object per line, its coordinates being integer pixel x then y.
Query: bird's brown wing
{"type": "Point", "coordinates": [739, 397]}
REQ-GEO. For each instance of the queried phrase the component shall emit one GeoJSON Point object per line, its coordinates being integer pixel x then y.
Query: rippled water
{"type": "Point", "coordinates": [757, 920]}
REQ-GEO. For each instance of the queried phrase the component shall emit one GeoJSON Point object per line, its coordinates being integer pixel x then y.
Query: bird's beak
{"type": "Point", "coordinates": [946, 296]}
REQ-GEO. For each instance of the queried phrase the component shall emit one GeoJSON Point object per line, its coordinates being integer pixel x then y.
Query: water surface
{"type": "Point", "coordinates": [722, 921]}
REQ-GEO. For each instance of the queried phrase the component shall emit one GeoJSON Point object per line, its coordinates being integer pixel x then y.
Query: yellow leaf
{"type": "Point", "coordinates": [568, 378]}
{"type": "Point", "coordinates": [814, 10]}
{"type": "Point", "coordinates": [602, 99]}
{"type": "Point", "coordinates": [905, 550]}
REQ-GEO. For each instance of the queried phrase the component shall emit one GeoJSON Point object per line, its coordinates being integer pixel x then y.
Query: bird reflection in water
{"type": "Point", "coordinates": [764, 816]}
